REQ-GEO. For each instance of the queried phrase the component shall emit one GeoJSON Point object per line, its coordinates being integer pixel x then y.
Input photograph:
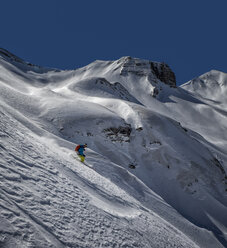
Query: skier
{"type": "Point", "coordinates": [80, 151]}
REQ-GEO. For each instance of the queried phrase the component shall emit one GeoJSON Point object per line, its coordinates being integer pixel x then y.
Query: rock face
{"type": "Point", "coordinates": [163, 72]}
{"type": "Point", "coordinates": [148, 68]}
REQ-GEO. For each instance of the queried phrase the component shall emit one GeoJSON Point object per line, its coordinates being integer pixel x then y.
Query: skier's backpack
{"type": "Point", "coordinates": [77, 148]}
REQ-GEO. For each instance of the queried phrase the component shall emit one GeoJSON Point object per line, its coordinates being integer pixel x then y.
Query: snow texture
{"type": "Point", "coordinates": [155, 168]}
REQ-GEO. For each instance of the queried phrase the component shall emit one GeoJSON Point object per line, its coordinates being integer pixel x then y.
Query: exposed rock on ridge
{"type": "Point", "coordinates": [163, 72]}
{"type": "Point", "coordinates": [148, 68]}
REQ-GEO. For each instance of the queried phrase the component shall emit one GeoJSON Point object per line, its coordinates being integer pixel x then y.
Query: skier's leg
{"type": "Point", "coordinates": [82, 159]}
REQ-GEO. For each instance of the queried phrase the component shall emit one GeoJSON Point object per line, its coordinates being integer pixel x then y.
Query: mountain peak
{"type": "Point", "coordinates": [213, 78]}
{"type": "Point", "coordinates": [141, 67]}
{"type": "Point", "coordinates": [211, 85]}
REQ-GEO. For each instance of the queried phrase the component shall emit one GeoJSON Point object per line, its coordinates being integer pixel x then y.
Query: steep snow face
{"type": "Point", "coordinates": [128, 111]}
{"type": "Point", "coordinates": [49, 199]}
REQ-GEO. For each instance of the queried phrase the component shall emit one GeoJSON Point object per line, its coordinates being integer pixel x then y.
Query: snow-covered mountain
{"type": "Point", "coordinates": [132, 115]}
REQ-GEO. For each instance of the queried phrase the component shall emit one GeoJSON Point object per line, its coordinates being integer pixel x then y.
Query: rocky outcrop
{"type": "Point", "coordinates": [163, 72]}
{"type": "Point", "coordinates": [119, 134]}
{"type": "Point", "coordinates": [153, 70]}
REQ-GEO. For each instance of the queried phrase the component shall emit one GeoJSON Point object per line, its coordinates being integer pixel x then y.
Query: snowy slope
{"type": "Point", "coordinates": [128, 111]}
{"type": "Point", "coordinates": [211, 90]}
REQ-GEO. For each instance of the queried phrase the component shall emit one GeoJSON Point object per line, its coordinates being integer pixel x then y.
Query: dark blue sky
{"type": "Point", "coordinates": [190, 36]}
